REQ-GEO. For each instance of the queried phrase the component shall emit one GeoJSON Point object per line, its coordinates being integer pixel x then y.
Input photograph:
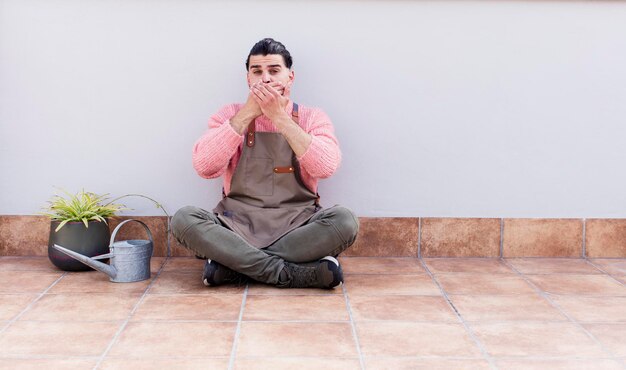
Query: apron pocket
{"type": "Point", "coordinates": [259, 176]}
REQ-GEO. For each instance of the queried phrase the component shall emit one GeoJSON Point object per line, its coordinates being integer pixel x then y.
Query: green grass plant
{"type": "Point", "coordinates": [81, 207]}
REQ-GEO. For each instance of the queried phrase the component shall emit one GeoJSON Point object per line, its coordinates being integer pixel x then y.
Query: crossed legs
{"type": "Point", "coordinates": [329, 232]}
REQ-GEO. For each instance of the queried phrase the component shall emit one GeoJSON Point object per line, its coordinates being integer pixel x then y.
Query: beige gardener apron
{"type": "Point", "coordinates": [267, 197]}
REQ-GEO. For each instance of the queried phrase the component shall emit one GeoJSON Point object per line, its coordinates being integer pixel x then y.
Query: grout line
{"type": "Point", "coordinates": [604, 271]}
{"type": "Point", "coordinates": [501, 238]}
{"type": "Point", "coordinates": [584, 255]}
{"type": "Point", "coordinates": [480, 345]}
{"type": "Point", "coordinates": [419, 237]}
{"type": "Point", "coordinates": [132, 312]}
{"type": "Point", "coordinates": [233, 353]}
{"type": "Point", "coordinates": [353, 326]}
{"type": "Point", "coordinates": [10, 322]}
{"type": "Point", "coordinates": [562, 312]}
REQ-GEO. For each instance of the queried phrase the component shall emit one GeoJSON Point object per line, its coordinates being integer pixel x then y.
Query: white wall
{"type": "Point", "coordinates": [443, 108]}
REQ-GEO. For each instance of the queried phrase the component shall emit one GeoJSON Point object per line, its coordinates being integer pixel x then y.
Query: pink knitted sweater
{"type": "Point", "coordinates": [217, 152]}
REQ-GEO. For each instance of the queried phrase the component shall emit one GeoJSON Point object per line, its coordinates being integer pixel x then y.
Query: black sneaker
{"type": "Point", "coordinates": [326, 274]}
{"type": "Point", "coordinates": [217, 274]}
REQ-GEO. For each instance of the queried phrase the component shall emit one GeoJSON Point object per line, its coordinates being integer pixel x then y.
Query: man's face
{"type": "Point", "coordinates": [269, 68]}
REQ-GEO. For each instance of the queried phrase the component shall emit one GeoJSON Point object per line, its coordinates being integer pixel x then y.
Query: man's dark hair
{"type": "Point", "coordinates": [270, 46]}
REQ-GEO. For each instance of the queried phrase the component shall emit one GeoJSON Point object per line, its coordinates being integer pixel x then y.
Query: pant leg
{"type": "Point", "coordinates": [328, 233]}
{"type": "Point", "coordinates": [203, 233]}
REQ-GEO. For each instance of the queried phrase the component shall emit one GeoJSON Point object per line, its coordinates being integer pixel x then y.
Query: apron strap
{"type": "Point", "coordinates": [294, 113]}
{"type": "Point", "coordinates": [250, 134]}
{"type": "Point", "coordinates": [252, 126]}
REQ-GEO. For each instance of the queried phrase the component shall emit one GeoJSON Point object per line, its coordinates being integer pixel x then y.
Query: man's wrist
{"type": "Point", "coordinates": [241, 120]}
{"type": "Point", "coordinates": [281, 119]}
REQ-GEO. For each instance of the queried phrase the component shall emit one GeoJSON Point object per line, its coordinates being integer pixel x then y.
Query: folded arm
{"type": "Point", "coordinates": [214, 150]}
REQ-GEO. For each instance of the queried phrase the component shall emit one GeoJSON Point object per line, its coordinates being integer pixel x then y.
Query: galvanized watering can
{"type": "Point", "coordinates": [129, 259]}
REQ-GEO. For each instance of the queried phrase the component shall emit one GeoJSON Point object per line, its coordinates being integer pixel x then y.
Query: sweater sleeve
{"type": "Point", "coordinates": [213, 150]}
{"type": "Point", "coordinates": [323, 156]}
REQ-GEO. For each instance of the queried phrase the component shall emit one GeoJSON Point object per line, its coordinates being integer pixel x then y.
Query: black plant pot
{"type": "Point", "coordinates": [88, 241]}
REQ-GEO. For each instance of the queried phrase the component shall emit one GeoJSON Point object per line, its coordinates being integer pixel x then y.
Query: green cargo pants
{"type": "Point", "coordinates": [328, 233]}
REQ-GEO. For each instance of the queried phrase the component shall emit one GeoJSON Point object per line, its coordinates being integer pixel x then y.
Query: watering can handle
{"type": "Point", "coordinates": [122, 223]}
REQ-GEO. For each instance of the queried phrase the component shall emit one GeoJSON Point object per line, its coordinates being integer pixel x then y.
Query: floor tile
{"type": "Point", "coordinates": [185, 264]}
{"type": "Point", "coordinates": [24, 235]}
{"type": "Point", "coordinates": [214, 307]}
{"type": "Point", "coordinates": [57, 338]}
{"type": "Point", "coordinates": [50, 364]}
{"type": "Point", "coordinates": [96, 282]}
{"type": "Point", "coordinates": [112, 363]}
{"type": "Point", "coordinates": [553, 266]}
{"type": "Point", "coordinates": [299, 307]}
{"type": "Point", "coordinates": [265, 289]}
{"type": "Point", "coordinates": [415, 339]}
{"type": "Point", "coordinates": [536, 237]}
{"type": "Point", "coordinates": [505, 308]}
{"type": "Point", "coordinates": [163, 339]}
{"type": "Point", "coordinates": [27, 282]}
{"type": "Point", "coordinates": [612, 336]}
{"type": "Point", "coordinates": [381, 265]}
{"type": "Point", "coordinates": [534, 364]}
{"type": "Point", "coordinates": [421, 284]}
{"type": "Point", "coordinates": [477, 265]}
{"type": "Point", "coordinates": [392, 301]}
{"type": "Point", "coordinates": [386, 236]}
{"type": "Point", "coordinates": [406, 308]}
{"type": "Point", "coordinates": [611, 265]}
{"type": "Point", "coordinates": [82, 307]}
{"type": "Point", "coordinates": [12, 304]}
{"type": "Point", "coordinates": [460, 237]}
{"type": "Point", "coordinates": [400, 363]}
{"type": "Point", "coordinates": [304, 363]}
{"type": "Point", "coordinates": [605, 237]}
{"type": "Point", "coordinates": [621, 278]}
{"type": "Point", "coordinates": [189, 283]}
{"type": "Point", "coordinates": [593, 309]}
{"type": "Point", "coordinates": [578, 284]}
{"type": "Point", "coordinates": [13, 263]}
{"type": "Point", "coordinates": [296, 339]}
{"type": "Point", "coordinates": [465, 283]}
{"type": "Point", "coordinates": [536, 339]}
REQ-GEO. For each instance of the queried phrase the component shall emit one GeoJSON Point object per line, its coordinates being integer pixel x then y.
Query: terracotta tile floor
{"type": "Point", "coordinates": [391, 313]}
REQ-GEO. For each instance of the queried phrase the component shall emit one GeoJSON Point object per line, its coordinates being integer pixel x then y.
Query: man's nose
{"type": "Point", "coordinates": [266, 78]}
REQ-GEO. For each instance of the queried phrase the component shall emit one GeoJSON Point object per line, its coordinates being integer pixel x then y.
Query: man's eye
{"type": "Point", "coordinates": [274, 71]}
{"type": "Point", "coordinates": [257, 72]}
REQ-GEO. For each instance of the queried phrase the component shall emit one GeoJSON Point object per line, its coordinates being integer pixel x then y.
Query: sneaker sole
{"type": "Point", "coordinates": [332, 259]}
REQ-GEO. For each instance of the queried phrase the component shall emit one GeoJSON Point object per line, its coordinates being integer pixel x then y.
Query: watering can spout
{"type": "Point", "coordinates": [89, 261]}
